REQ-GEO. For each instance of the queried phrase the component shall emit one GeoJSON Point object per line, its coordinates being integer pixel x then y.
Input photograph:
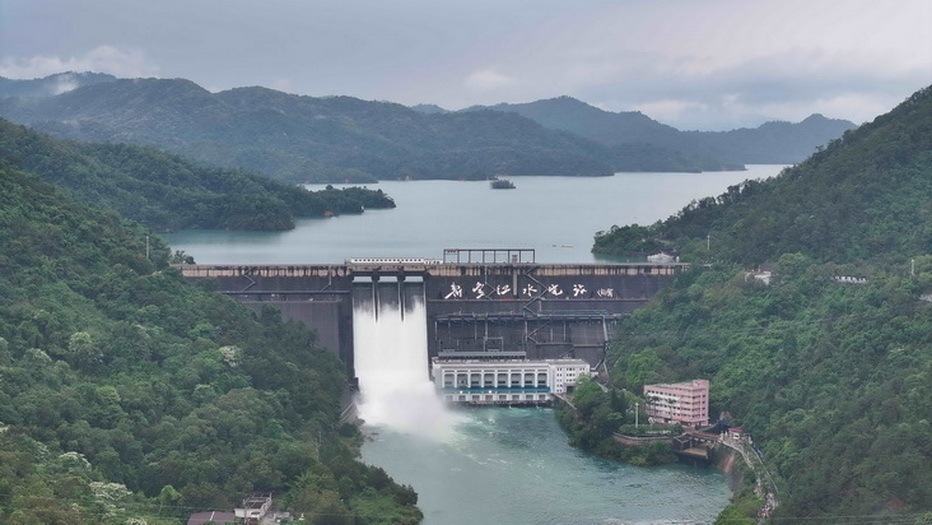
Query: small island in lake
{"type": "Point", "coordinates": [502, 184]}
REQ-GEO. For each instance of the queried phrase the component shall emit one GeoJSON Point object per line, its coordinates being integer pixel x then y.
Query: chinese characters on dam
{"type": "Point", "coordinates": [482, 290]}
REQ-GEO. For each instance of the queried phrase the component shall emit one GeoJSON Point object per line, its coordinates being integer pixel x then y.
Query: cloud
{"type": "Point", "coordinates": [719, 64]}
{"type": "Point", "coordinates": [714, 64]}
{"type": "Point", "coordinates": [283, 84]}
{"type": "Point", "coordinates": [783, 85]}
{"type": "Point", "coordinates": [669, 110]}
{"type": "Point", "coordinates": [101, 59]}
{"type": "Point", "coordinates": [64, 85]}
{"type": "Point", "coordinates": [487, 80]}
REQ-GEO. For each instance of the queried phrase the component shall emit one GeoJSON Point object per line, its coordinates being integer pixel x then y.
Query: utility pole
{"type": "Point", "coordinates": [708, 242]}
{"type": "Point", "coordinates": [147, 247]}
{"type": "Point", "coordinates": [636, 414]}
{"type": "Point", "coordinates": [912, 267]}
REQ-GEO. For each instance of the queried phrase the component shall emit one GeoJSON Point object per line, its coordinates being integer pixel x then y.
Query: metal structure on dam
{"type": "Point", "coordinates": [480, 304]}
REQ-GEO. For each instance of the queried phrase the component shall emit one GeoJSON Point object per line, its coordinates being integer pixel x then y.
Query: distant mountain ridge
{"type": "Point", "coordinates": [303, 139]}
{"type": "Point", "coordinates": [338, 139]}
{"type": "Point", "coordinates": [771, 143]}
{"type": "Point", "coordinates": [575, 116]}
{"type": "Point", "coordinates": [429, 109]}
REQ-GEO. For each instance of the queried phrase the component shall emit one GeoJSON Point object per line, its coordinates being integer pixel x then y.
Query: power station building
{"type": "Point", "coordinates": [505, 382]}
{"type": "Point", "coordinates": [685, 403]}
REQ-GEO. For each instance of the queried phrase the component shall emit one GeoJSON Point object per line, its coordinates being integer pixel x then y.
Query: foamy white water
{"type": "Point", "coordinates": [390, 339]}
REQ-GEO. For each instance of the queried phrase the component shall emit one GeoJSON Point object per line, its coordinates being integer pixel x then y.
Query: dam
{"type": "Point", "coordinates": [498, 455]}
{"type": "Point", "coordinates": [481, 305]}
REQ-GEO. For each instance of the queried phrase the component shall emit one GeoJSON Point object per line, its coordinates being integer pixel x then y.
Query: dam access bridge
{"type": "Point", "coordinates": [481, 304]}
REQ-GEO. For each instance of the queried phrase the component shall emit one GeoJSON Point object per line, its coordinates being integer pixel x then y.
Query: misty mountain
{"type": "Point", "coordinates": [429, 109]}
{"type": "Point", "coordinates": [773, 142]}
{"type": "Point", "coordinates": [299, 138]}
{"type": "Point", "coordinates": [51, 85]}
{"type": "Point", "coordinates": [770, 143]}
{"type": "Point", "coordinates": [579, 118]}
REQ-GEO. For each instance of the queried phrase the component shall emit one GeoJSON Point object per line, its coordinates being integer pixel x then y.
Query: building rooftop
{"type": "Point", "coordinates": [215, 516]}
{"type": "Point", "coordinates": [685, 384]}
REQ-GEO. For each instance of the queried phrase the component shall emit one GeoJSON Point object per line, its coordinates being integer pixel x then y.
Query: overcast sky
{"type": "Point", "coordinates": [694, 64]}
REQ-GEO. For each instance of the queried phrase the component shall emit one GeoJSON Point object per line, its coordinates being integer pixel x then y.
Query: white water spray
{"type": "Point", "coordinates": [390, 340]}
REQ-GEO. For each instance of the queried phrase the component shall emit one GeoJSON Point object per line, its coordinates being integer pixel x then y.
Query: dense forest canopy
{"type": "Point", "coordinates": [166, 192]}
{"type": "Point", "coordinates": [126, 394]}
{"type": "Point", "coordinates": [823, 353]}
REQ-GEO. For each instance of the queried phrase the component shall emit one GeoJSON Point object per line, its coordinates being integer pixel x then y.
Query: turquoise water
{"type": "Point", "coordinates": [557, 216]}
{"type": "Point", "coordinates": [513, 466]}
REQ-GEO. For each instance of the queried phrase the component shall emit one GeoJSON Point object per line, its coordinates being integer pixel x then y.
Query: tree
{"type": "Point", "coordinates": [83, 352]}
{"type": "Point", "coordinates": [168, 497]}
{"type": "Point", "coordinates": [587, 396]}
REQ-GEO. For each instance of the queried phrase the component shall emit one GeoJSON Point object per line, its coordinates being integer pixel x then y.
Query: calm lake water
{"type": "Point", "coordinates": [503, 465]}
{"type": "Point", "coordinates": [557, 216]}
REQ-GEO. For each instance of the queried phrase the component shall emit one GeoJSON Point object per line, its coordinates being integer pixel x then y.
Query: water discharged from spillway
{"type": "Point", "coordinates": [390, 340]}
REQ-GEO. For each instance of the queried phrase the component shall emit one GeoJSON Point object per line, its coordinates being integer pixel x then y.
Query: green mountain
{"type": "Point", "coordinates": [129, 396]}
{"type": "Point", "coordinates": [634, 138]}
{"type": "Point", "coordinates": [305, 139]}
{"type": "Point", "coordinates": [336, 139]}
{"type": "Point", "coordinates": [577, 117]}
{"type": "Point", "coordinates": [429, 109]}
{"type": "Point", "coordinates": [825, 357]}
{"type": "Point", "coordinates": [166, 192]}
{"type": "Point", "coordinates": [771, 143]}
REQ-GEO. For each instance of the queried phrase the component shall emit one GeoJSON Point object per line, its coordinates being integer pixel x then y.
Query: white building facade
{"type": "Point", "coordinates": [505, 382]}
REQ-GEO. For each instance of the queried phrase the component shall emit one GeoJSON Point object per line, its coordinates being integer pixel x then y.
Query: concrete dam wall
{"type": "Point", "coordinates": [474, 309]}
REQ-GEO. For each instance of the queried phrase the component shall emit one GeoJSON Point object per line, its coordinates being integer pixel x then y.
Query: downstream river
{"type": "Point", "coordinates": [513, 466]}
{"type": "Point", "coordinates": [502, 465]}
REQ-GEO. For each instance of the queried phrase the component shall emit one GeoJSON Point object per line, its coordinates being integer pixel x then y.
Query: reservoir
{"type": "Point", "coordinates": [495, 465]}
{"type": "Point", "coordinates": [557, 216]}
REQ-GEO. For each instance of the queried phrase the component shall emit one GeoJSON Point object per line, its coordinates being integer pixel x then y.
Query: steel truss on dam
{"type": "Point", "coordinates": [505, 306]}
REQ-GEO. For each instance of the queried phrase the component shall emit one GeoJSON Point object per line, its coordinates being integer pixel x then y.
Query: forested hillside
{"type": "Point", "coordinates": [128, 396]}
{"type": "Point", "coordinates": [331, 139]}
{"type": "Point", "coordinates": [866, 196]}
{"type": "Point", "coordinates": [166, 192]}
{"type": "Point", "coordinates": [827, 363]}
